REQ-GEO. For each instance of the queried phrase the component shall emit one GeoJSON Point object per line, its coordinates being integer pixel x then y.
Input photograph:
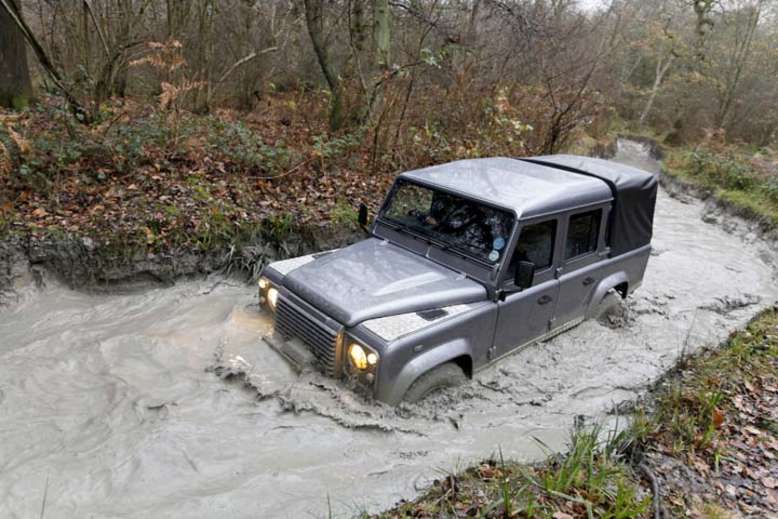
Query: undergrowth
{"type": "Point", "coordinates": [748, 181]}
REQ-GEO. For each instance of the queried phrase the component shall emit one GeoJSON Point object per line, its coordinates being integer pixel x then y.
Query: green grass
{"type": "Point", "coordinates": [590, 480]}
{"type": "Point", "coordinates": [731, 179]}
{"type": "Point", "coordinates": [753, 204]}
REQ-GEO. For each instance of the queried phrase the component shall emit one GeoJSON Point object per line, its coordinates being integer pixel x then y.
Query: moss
{"type": "Point", "coordinates": [20, 102]}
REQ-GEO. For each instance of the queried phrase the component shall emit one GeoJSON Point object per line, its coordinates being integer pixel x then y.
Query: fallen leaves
{"type": "Point", "coordinates": [182, 197]}
{"type": "Point", "coordinates": [735, 470]}
{"type": "Point", "coordinates": [718, 418]}
{"type": "Point", "coordinates": [6, 163]}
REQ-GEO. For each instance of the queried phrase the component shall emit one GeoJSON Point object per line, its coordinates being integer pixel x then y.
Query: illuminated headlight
{"type": "Point", "coordinates": [272, 298]}
{"type": "Point", "coordinates": [268, 294]}
{"type": "Point", "coordinates": [361, 357]}
{"type": "Point", "coordinates": [357, 356]}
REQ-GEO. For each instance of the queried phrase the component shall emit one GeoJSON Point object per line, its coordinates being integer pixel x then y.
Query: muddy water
{"type": "Point", "coordinates": [107, 410]}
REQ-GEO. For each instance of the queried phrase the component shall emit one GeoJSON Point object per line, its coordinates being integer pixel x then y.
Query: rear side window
{"type": "Point", "coordinates": [582, 234]}
{"type": "Point", "coordinates": [536, 244]}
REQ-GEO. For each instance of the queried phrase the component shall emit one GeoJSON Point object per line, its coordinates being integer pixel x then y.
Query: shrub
{"type": "Point", "coordinates": [771, 188]}
{"type": "Point", "coordinates": [244, 147]}
{"type": "Point", "coordinates": [725, 171]}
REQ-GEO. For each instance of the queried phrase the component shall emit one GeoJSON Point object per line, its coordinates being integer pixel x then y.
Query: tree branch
{"type": "Point", "coordinates": [245, 60]}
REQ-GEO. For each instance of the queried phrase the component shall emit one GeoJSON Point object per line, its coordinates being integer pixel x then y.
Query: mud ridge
{"type": "Point", "coordinates": [312, 393]}
{"type": "Point", "coordinates": [79, 262]}
{"type": "Point", "coordinates": [745, 224]}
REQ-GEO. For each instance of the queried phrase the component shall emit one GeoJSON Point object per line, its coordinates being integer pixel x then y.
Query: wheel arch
{"type": "Point", "coordinates": [618, 281]}
{"type": "Point", "coordinates": [458, 351]}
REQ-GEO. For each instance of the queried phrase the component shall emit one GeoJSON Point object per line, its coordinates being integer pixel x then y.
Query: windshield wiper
{"type": "Point", "coordinates": [461, 253]}
{"type": "Point", "coordinates": [444, 246]}
{"type": "Point", "coordinates": [407, 230]}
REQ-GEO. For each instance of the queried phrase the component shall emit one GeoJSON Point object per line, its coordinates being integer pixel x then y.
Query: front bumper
{"type": "Point", "coordinates": [308, 338]}
{"type": "Point", "coordinates": [293, 350]}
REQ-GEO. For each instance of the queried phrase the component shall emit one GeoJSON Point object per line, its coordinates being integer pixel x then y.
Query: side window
{"type": "Point", "coordinates": [536, 244]}
{"type": "Point", "coordinates": [582, 233]}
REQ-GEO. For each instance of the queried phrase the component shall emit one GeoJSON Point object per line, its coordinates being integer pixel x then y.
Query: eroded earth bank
{"type": "Point", "coordinates": [110, 406]}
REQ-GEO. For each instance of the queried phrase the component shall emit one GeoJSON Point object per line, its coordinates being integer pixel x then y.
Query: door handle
{"type": "Point", "coordinates": [544, 300]}
{"type": "Point", "coordinates": [588, 281]}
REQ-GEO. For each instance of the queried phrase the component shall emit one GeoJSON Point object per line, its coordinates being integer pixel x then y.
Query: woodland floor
{"type": "Point", "coordinates": [163, 181]}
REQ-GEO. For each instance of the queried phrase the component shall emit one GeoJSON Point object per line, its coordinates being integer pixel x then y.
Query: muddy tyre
{"type": "Point", "coordinates": [610, 305]}
{"type": "Point", "coordinates": [442, 377]}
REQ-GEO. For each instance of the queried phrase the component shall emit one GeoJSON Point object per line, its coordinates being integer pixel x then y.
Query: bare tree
{"type": "Point", "coordinates": [745, 21]}
{"type": "Point", "coordinates": [15, 84]}
{"type": "Point", "coordinates": [14, 14]}
{"type": "Point", "coordinates": [314, 21]}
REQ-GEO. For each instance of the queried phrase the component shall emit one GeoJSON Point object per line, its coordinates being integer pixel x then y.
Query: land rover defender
{"type": "Point", "coordinates": [466, 262]}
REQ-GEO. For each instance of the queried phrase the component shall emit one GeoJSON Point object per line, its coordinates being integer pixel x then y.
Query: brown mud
{"type": "Point", "coordinates": [165, 403]}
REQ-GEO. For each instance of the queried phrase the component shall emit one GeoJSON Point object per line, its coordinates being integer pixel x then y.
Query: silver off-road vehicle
{"type": "Point", "coordinates": [466, 262]}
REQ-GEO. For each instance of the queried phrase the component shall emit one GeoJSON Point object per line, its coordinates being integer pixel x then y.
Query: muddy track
{"type": "Point", "coordinates": [165, 403]}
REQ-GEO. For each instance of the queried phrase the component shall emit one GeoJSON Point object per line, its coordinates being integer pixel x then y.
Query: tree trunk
{"type": "Point", "coordinates": [314, 22]}
{"type": "Point", "coordinates": [741, 55]}
{"type": "Point", "coordinates": [15, 85]}
{"type": "Point", "coordinates": [8, 8]}
{"type": "Point", "coordinates": [661, 70]}
{"type": "Point", "coordinates": [382, 33]}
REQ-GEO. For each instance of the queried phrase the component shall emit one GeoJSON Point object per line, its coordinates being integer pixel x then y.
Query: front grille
{"type": "Point", "coordinates": [321, 340]}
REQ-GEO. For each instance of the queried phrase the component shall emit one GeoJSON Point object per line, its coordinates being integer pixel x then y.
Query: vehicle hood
{"type": "Point", "coordinates": [374, 278]}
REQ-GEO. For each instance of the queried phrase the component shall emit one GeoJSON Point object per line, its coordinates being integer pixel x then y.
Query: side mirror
{"type": "Point", "coordinates": [524, 275]}
{"type": "Point", "coordinates": [362, 217]}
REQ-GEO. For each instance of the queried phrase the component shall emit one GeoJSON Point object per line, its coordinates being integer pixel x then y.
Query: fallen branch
{"type": "Point", "coordinates": [289, 171]}
{"type": "Point", "coordinates": [657, 501]}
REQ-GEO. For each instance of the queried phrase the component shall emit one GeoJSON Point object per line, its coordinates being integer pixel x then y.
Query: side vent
{"type": "Point", "coordinates": [432, 315]}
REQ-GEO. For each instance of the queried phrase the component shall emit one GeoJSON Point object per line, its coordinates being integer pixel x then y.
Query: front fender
{"type": "Point", "coordinates": [393, 391]}
{"type": "Point", "coordinates": [607, 283]}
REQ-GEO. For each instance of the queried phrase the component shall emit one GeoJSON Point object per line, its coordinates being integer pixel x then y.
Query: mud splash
{"type": "Point", "coordinates": [166, 404]}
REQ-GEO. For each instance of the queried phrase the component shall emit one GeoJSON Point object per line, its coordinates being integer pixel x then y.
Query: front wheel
{"type": "Point", "coordinates": [442, 377]}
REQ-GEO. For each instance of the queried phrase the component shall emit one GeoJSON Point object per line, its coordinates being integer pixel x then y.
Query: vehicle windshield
{"type": "Point", "coordinates": [473, 228]}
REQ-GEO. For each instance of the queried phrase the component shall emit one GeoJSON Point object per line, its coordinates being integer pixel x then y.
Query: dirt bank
{"type": "Point", "coordinates": [108, 411]}
{"type": "Point", "coordinates": [79, 262]}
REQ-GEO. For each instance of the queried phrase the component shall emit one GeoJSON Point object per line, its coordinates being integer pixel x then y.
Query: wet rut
{"type": "Point", "coordinates": [109, 406]}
